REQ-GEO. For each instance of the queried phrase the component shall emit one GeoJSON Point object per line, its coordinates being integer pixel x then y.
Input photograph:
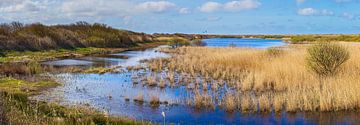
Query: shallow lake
{"type": "Point", "coordinates": [108, 93]}
{"type": "Point", "coordinates": [243, 42]}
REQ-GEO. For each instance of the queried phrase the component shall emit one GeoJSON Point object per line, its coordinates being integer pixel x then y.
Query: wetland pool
{"type": "Point", "coordinates": [115, 93]}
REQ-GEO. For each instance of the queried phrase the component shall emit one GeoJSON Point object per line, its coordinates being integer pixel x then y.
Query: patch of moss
{"type": "Point", "coordinates": [12, 85]}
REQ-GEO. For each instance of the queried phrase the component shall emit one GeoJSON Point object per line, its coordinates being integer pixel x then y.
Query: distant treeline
{"type": "Point", "coordinates": [36, 36]}
{"type": "Point", "coordinates": [33, 37]}
{"type": "Point", "coordinates": [324, 38]}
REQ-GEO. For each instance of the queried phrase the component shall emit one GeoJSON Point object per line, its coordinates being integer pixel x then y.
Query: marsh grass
{"type": "Point", "coordinates": [269, 80]}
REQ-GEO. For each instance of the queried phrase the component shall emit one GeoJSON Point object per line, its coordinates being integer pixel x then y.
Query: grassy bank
{"type": "Point", "coordinates": [16, 108]}
{"type": "Point", "coordinates": [324, 38]}
{"type": "Point", "coordinates": [264, 80]}
{"type": "Point", "coordinates": [46, 55]}
{"type": "Point", "coordinates": [37, 37]}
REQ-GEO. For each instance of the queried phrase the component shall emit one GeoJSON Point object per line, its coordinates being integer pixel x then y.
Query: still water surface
{"type": "Point", "coordinates": [95, 90]}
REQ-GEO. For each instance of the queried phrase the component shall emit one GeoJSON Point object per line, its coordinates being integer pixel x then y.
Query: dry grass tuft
{"type": "Point", "coordinates": [154, 101]}
{"type": "Point", "coordinates": [229, 102]}
{"type": "Point", "coordinates": [201, 101]}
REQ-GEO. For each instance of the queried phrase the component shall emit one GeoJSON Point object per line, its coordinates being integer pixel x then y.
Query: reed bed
{"type": "Point", "coordinates": [264, 80]}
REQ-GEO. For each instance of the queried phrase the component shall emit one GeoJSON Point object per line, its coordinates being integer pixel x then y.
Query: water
{"type": "Point", "coordinates": [68, 62]}
{"type": "Point", "coordinates": [243, 42]}
{"type": "Point", "coordinates": [108, 92]}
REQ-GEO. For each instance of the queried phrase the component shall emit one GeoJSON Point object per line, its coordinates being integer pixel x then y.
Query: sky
{"type": "Point", "coordinates": [194, 16]}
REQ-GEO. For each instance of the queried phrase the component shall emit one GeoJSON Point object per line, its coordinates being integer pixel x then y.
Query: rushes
{"type": "Point", "coordinates": [201, 101]}
{"type": "Point", "coordinates": [277, 80]}
{"type": "Point", "coordinates": [229, 102]}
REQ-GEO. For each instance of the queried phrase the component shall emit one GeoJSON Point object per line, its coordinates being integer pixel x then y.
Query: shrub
{"type": "Point", "coordinates": [325, 58]}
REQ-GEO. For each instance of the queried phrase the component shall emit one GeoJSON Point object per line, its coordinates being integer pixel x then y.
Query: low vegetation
{"type": "Point", "coordinates": [101, 70]}
{"type": "Point", "coordinates": [174, 41]}
{"type": "Point", "coordinates": [325, 58]}
{"type": "Point", "coordinates": [324, 38]}
{"type": "Point", "coordinates": [267, 80]}
{"type": "Point", "coordinates": [38, 37]}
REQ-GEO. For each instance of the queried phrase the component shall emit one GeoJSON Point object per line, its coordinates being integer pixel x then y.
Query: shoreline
{"type": "Point", "coordinates": [52, 55]}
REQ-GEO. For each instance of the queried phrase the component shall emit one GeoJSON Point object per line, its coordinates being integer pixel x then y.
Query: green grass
{"type": "Point", "coordinates": [19, 56]}
{"type": "Point", "coordinates": [12, 85]}
{"type": "Point", "coordinates": [100, 70]}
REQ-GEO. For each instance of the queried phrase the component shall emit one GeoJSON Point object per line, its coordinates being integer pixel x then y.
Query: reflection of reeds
{"type": "Point", "coordinates": [139, 98]}
{"type": "Point", "coordinates": [154, 101]}
{"type": "Point", "coordinates": [268, 82]}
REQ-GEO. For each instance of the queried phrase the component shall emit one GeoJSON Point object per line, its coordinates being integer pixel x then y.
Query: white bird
{"type": "Point", "coordinates": [163, 114]}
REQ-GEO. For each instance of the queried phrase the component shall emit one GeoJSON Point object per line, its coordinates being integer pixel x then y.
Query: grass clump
{"type": "Point", "coordinates": [229, 102]}
{"type": "Point", "coordinates": [202, 101]}
{"type": "Point", "coordinates": [101, 70]}
{"type": "Point", "coordinates": [154, 101]}
{"type": "Point", "coordinates": [326, 58]}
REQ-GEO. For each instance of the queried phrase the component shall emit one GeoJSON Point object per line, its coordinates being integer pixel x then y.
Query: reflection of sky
{"type": "Point", "coordinates": [134, 59]}
{"type": "Point", "coordinates": [136, 56]}
{"type": "Point", "coordinates": [251, 43]}
{"type": "Point", "coordinates": [68, 62]}
{"type": "Point", "coordinates": [95, 90]}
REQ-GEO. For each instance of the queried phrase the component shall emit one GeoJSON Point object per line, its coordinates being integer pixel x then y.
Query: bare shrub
{"type": "Point", "coordinates": [325, 58]}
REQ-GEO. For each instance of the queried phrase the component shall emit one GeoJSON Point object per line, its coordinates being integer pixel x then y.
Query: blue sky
{"type": "Point", "coordinates": [195, 16]}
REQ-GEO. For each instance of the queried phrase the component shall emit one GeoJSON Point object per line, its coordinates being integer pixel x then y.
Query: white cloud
{"type": "Point", "coordinates": [236, 5]}
{"type": "Point", "coordinates": [54, 11]}
{"type": "Point", "coordinates": [155, 6]}
{"type": "Point", "coordinates": [348, 15]}
{"type": "Point", "coordinates": [307, 11]}
{"type": "Point", "coordinates": [184, 11]}
{"type": "Point", "coordinates": [210, 7]}
{"type": "Point", "coordinates": [114, 7]}
{"type": "Point", "coordinates": [342, 1]}
{"type": "Point", "coordinates": [241, 5]}
{"type": "Point", "coordinates": [22, 6]}
{"type": "Point", "coordinates": [96, 8]}
{"type": "Point", "coordinates": [314, 12]}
